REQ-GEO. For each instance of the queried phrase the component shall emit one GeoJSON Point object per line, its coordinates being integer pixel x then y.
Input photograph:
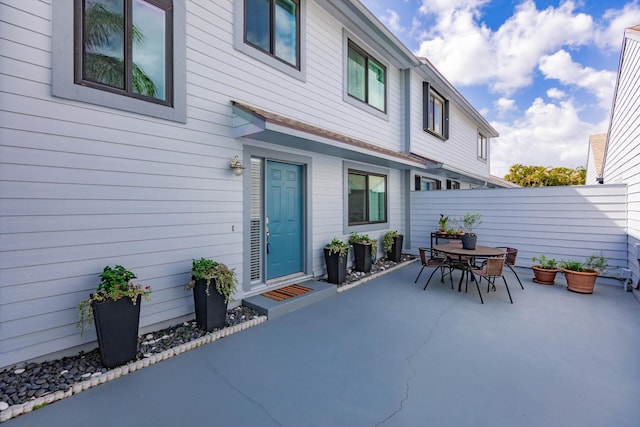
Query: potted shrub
{"type": "Point", "coordinates": [468, 223]}
{"type": "Point", "coordinates": [581, 276]}
{"type": "Point", "coordinates": [442, 224]}
{"type": "Point", "coordinates": [213, 283]}
{"type": "Point", "coordinates": [392, 244]}
{"type": "Point", "coordinates": [335, 257]}
{"type": "Point", "coordinates": [115, 309]}
{"type": "Point", "coordinates": [545, 270]}
{"type": "Point", "coordinates": [364, 249]}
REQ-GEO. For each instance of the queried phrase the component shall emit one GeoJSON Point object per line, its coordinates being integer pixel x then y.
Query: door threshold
{"type": "Point", "coordinates": [279, 282]}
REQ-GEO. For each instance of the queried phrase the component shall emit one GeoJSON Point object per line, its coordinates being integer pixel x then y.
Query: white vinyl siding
{"type": "Point", "coordinates": [569, 222]}
{"type": "Point", "coordinates": [84, 185]}
{"type": "Point", "coordinates": [622, 162]}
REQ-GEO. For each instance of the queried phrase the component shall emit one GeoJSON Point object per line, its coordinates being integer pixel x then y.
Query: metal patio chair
{"type": "Point", "coordinates": [510, 260]}
{"type": "Point", "coordinates": [493, 268]}
{"type": "Point", "coordinates": [431, 258]}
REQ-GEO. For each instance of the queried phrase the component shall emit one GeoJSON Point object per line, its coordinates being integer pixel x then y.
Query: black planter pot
{"type": "Point", "coordinates": [117, 328]}
{"type": "Point", "coordinates": [469, 241]}
{"type": "Point", "coordinates": [395, 254]}
{"type": "Point", "coordinates": [211, 310]}
{"type": "Point", "coordinates": [336, 267]}
{"type": "Point", "coordinates": [362, 256]}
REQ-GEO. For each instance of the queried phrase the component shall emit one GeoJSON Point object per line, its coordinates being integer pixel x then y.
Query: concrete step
{"type": "Point", "coordinates": [272, 308]}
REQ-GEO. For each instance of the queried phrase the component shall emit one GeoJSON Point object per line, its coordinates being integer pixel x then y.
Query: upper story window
{"type": "Point", "coordinates": [367, 197]}
{"type": "Point", "coordinates": [366, 78]}
{"type": "Point", "coordinates": [482, 146]}
{"type": "Point", "coordinates": [436, 112]}
{"type": "Point", "coordinates": [273, 26]}
{"type": "Point", "coordinates": [125, 47]}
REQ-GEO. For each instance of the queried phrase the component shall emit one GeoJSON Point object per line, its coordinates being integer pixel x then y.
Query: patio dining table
{"type": "Point", "coordinates": [454, 251]}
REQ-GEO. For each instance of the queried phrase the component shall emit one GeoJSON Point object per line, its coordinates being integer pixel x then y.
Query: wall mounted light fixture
{"type": "Point", "coordinates": [236, 166]}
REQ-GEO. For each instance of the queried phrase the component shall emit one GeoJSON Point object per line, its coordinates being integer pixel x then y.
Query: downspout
{"type": "Point", "coordinates": [406, 74]}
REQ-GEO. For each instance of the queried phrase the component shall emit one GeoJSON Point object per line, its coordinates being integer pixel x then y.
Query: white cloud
{"type": "Point", "coordinates": [560, 66]}
{"type": "Point", "coordinates": [555, 93]}
{"type": "Point", "coordinates": [392, 21]}
{"type": "Point", "coordinates": [547, 134]}
{"type": "Point", "coordinates": [505, 104]}
{"type": "Point", "coordinates": [609, 36]}
{"type": "Point", "coordinates": [504, 59]}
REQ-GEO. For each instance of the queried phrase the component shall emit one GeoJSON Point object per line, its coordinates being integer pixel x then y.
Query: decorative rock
{"type": "Point", "coordinates": [56, 379]}
{"type": "Point", "coordinates": [3, 406]}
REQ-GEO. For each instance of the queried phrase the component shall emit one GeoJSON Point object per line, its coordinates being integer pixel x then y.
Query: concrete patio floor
{"type": "Point", "coordinates": [388, 353]}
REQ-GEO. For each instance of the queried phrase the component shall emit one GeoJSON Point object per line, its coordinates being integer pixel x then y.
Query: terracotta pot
{"type": "Point", "coordinates": [544, 276]}
{"type": "Point", "coordinates": [580, 281]}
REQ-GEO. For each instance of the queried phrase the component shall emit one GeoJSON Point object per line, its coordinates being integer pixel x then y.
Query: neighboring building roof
{"type": "Point", "coordinates": [598, 143]}
{"type": "Point", "coordinates": [502, 182]}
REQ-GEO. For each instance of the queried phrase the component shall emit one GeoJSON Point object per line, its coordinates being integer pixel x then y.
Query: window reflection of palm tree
{"type": "Point", "coordinates": [103, 27]}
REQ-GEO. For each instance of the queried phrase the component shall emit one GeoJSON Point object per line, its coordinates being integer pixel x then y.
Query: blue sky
{"type": "Point", "coordinates": [542, 72]}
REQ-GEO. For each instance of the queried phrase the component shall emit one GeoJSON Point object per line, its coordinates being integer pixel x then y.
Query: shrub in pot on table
{"type": "Point", "coordinates": [468, 223]}
{"type": "Point", "coordinates": [213, 283]}
{"type": "Point", "coordinates": [545, 270]}
{"type": "Point", "coordinates": [335, 257]}
{"type": "Point", "coordinates": [115, 309]}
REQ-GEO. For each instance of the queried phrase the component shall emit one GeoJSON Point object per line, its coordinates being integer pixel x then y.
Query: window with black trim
{"type": "Point", "coordinates": [273, 26]}
{"type": "Point", "coordinates": [367, 197]}
{"type": "Point", "coordinates": [366, 78]}
{"type": "Point", "coordinates": [422, 183]}
{"type": "Point", "coordinates": [482, 146]}
{"type": "Point", "coordinates": [435, 112]}
{"type": "Point", "coordinates": [126, 47]}
{"type": "Point", "coordinates": [453, 185]}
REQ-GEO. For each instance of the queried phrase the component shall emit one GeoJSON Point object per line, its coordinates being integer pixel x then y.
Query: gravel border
{"type": "Point", "coordinates": [43, 383]}
{"type": "Point", "coordinates": [378, 268]}
{"type": "Point", "coordinates": [81, 372]}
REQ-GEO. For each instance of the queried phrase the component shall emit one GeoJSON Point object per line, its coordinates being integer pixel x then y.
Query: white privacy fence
{"type": "Point", "coordinates": [560, 222]}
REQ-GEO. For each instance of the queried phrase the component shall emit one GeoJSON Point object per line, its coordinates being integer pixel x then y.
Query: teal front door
{"type": "Point", "coordinates": [284, 219]}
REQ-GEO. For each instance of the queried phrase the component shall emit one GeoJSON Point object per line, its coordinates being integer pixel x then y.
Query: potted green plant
{"type": "Point", "coordinates": [210, 302]}
{"type": "Point", "coordinates": [545, 270]}
{"type": "Point", "coordinates": [468, 223]}
{"type": "Point", "coordinates": [392, 244]}
{"type": "Point", "coordinates": [581, 276]}
{"type": "Point", "coordinates": [442, 224]}
{"type": "Point", "coordinates": [335, 258]}
{"type": "Point", "coordinates": [115, 309]}
{"type": "Point", "coordinates": [364, 249]}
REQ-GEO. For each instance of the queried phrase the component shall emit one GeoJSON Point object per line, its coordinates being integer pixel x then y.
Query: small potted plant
{"type": "Point", "coordinates": [115, 309]}
{"type": "Point", "coordinates": [581, 276]}
{"type": "Point", "coordinates": [545, 270]}
{"type": "Point", "coordinates": [364, 249]}
{"type": "Point", "coordinates": [335, 258]}
{"type": "Point", "coordinates": [213, 283]}
{"type": "Point", "coordinates": [392, 244]}
{"type": "Point", "coordinates": [442, 224]}
{"type": "Point", "coordinates": [468, 223]}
